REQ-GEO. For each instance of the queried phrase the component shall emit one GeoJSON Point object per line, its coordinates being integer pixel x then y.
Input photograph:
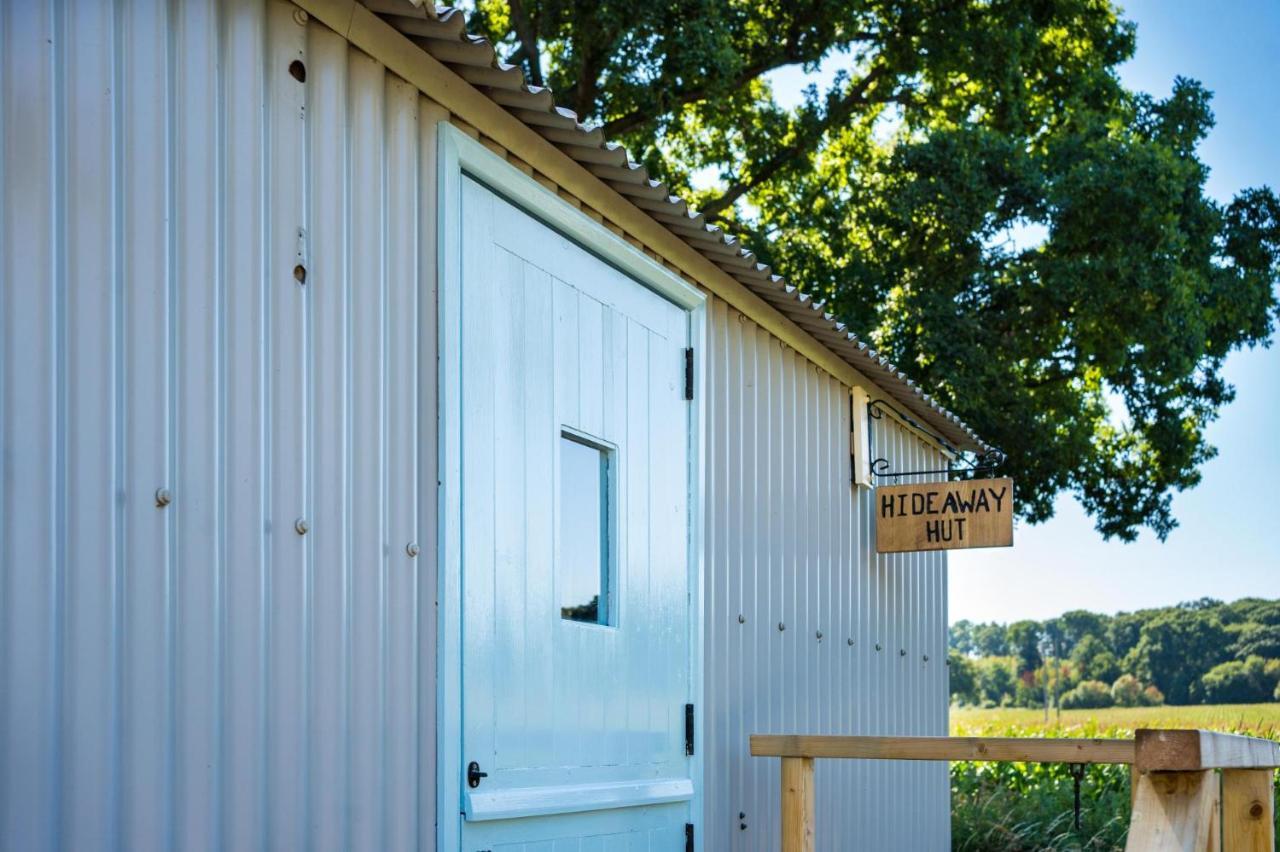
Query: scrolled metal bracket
{"type": "Point", "coordinates": [982, 464]}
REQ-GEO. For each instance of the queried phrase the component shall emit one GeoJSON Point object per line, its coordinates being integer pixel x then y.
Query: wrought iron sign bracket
{"type": "Point", "coordinates": [982, 464]}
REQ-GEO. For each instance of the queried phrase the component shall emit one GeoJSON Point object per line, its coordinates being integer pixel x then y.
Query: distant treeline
{"type": "Point", "coordinates": [1202, 652]}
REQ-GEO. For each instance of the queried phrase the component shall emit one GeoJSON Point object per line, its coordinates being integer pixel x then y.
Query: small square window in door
{"type": "Point", "coordinates": [583, 572]}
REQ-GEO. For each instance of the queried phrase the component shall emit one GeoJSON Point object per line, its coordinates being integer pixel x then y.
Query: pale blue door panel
{"type": "Point", "coordinates": [576, 654]}
{"type": "Point", "coordinates": [653, 828]}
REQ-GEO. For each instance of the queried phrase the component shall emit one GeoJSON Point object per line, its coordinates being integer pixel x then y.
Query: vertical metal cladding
{"type": "Point", "coordinates": [217, 367]}
{"type": "Point", "coordinates": [217, 518]}
{"type": "Point", "coordinates": [806, 626]}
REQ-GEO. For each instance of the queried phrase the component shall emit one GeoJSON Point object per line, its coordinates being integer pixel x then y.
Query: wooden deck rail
{"type": "Point", "coordinates": [1178, 802]}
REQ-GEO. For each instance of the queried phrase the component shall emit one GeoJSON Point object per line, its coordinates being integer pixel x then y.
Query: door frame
{"type": "Point", "coordinates": [458, 155]}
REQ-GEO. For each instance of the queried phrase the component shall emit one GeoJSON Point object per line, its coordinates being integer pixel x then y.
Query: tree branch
{"type": "Point", "coordinates": [527, 33]}
{"type": "Point", "coordinates": [639, 118]}
{"type": "Point", "coordinates": [790, 54]}
{"type": "Point", "coordinates": [837, 114]}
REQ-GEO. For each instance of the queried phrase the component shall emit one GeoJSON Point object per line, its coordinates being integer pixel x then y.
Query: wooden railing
{"type": "Point", "coordinates": [1179, 801]}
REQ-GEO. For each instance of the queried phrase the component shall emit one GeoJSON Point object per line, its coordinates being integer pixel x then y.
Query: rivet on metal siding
{"type": "Point", "coordinates": [902, 652]}
{"type": "Point", "coordinates": [926, 658]}
{"type": "Point", "coordinates": [300, 274]}
{"type": "Point", "coordinates": [298, 71]}
{"type": "Point", "coordinates": [163, 498]}
{"type": "Point", "coordinates": [301, 526]}
{"type": "Point", "coordinates": [819, 635]}
{"type": "Point", "coordinates": [781, 626]}
{"type": "Point", "coordinates": [850, 642]}
{"type": "Point", "coordinates": [742, 619]}
{"type": "Point", "coordinates": [412, 549]}
{"type": "Point", "coordinates": [879, 647]}
{"type": "Point", "coordinates": [300, 17]}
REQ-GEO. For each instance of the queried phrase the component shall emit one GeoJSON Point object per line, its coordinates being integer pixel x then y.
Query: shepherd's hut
{"type": "Point", "coordinates": [389, 463]}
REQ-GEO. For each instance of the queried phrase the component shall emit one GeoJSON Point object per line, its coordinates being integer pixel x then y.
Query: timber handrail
{"type": "Point", "coordinates": [1022, 749]}
{"type": "Point", "coordinates": [1177, 800]}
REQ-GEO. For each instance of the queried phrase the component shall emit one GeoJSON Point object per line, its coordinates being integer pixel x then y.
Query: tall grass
{"type": "Point", "coordinates": [1019, 807]}
{"type": "Point", "coordinates": [1260, 720]}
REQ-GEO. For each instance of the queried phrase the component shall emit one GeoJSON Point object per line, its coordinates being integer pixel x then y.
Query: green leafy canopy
{"type": "Point", "coordinates": [976, 194]}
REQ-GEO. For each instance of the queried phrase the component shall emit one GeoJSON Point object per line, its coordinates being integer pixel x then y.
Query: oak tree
{"type": "Point", "coordinates": [974, 191]}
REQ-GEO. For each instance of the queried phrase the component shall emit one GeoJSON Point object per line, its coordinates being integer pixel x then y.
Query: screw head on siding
{"type": "Point", "coordinates": [412, 549]}
{"type": "Point", "coordinates": [301, 526]}
{"type": "Point", "coordinates": [781, 626]}
{"type": "Point", "coordinates": [879, 647]}
{"type": "Point", "coordinates": [926, 658]}
{"type": "Point", "coordinates": [850, 641]}
{"type": "Point", "coordinates": [819, 635]}
{"type": "Point", "coordinates": [163, 498]}
{"type": "Point", "coordinates": [742, 619]}
{"type": "Point", "coordinates": [902, 652]}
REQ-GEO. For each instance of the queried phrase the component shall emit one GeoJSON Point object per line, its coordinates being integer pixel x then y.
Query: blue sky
{"type": "Point", "coordinates": [1228, 544]}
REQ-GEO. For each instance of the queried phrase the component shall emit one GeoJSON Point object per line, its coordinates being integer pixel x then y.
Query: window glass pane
{"type": "Point", "coordinates": [582, 577]}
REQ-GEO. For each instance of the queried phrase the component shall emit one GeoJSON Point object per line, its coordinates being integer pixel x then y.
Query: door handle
{"type": "Point", "coordinates": [474, 775]}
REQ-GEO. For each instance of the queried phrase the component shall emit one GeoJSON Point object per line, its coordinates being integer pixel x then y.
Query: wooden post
{"type": "Point", "coordinates": [1175, 811]}
{"type": "Point", "coordinates": [797, 804]}
{"type": "Point", "coordinates": [1248, 817]}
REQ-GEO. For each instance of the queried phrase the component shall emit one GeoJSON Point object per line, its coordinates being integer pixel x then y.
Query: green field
{"type": "Point", "coordinates": [1260, 719]}
{"type": "Point", "coordinates": [1021, 807]}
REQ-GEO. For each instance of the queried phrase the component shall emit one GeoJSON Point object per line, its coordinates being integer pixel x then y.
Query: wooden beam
{"type": "Point", "coordinates": [401, 56]}
{"type": "Point", "coordinates": [1190, 751]}
{"type": "Point", "coordinates": [797, 804]}
{"type": "Point", "coordinates": [1175, 811]}
{"type": "Point", "coordinates": [1030, 750]}
{"type": "Point", "coordinates": [1248, 810]}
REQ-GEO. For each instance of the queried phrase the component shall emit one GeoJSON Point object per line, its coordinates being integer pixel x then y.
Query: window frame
{"type": "Point", "coordinates": [610, 542]}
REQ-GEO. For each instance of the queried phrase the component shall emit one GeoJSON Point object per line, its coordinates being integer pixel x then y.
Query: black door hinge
{"type": "Point", "coordinates": [688, 729]}
{"type": "Point", "coordinates": [688, 837]}
{"type": "Point", "coordinates": [688, 373]}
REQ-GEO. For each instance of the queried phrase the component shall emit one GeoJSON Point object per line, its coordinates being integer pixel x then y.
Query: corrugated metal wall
{"type": "Point", "coordinates": [808, 630]}
{"type": "Point", "coordinates": [202, 675]}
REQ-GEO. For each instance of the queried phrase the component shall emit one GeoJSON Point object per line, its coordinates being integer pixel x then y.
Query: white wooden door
{"type": "Point", "coordinates": [576, 646]}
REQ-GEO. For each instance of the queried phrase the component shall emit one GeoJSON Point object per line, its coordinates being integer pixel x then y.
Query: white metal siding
{"type": "Point", "coordinates": [202, 675]}
{"type": "Point", "coordinates": [790, 543]}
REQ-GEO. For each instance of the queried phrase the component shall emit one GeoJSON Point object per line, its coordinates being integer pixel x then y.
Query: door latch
{"type": "Point", "coordinates": [474, 775]}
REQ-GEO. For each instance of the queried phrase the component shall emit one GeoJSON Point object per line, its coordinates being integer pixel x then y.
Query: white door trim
{"type": "Point", "coordinates": [459, 154]}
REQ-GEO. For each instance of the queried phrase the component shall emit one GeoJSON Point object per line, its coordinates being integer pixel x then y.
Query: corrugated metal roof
{"type": "Point", "coordinates": [441, 31]}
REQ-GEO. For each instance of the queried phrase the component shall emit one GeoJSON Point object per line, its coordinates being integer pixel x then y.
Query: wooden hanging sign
{"type": "Point", "coordinates": [944, 515]}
